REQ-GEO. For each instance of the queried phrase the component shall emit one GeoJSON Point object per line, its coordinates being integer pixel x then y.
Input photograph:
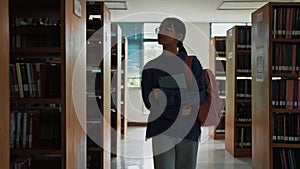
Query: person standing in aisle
{"type": "Point", "coordinates": [172, 123]}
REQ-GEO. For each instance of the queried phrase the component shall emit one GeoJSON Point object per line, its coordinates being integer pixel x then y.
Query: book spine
{"type": "Point", "coordinates": [11, 82]}
{"type": "Point", "coordinates": [30, 130]}
{"type": "Point", "coordinates": [19, 129]}
{"type": "Point", "coordinates": [19, 76]}
{"type": "Point", "coordinates": [15, 81]}
{"type": "Point", "coordinates": [24, 136]}
{"type": "Point", "coordinates": [29, 77]}
{"type": "Point", "coordinates": [24, 80]}
{"type": "Point", "coordinates": [12, 130]}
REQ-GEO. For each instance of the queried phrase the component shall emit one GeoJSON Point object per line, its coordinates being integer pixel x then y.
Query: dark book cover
{"type": "Point", "coordinates": [24, 76]}
{"type": "Point", "coordinates": [44, 79]}
{"type": "Point", "coordinates": [54, 80]}
{"type": "Point", "coordinates": [36, 125]}
{"type": "Point", "coordinates": [15, 81]}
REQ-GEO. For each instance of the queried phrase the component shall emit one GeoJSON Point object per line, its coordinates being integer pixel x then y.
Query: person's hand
{"type": "Point", "coordinates": [186, 110]}
{"type": "Point", "coordinates": [155, 93]}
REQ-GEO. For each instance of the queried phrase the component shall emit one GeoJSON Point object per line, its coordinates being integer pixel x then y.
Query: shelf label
{"type": "Point", "coordinates": [259, 17]}
{"type": "Point", "coordinates": [77, 8]}
{"type": "Point", "coordinates": [259, 66]}
{"type": "Point", "coordinates": [230, 54]}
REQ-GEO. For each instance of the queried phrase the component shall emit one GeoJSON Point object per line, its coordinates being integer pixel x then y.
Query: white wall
{"type": "Point", "coordinates": [197, 43]}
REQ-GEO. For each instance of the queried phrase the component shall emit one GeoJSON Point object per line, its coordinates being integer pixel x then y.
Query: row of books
{"type": "Point", "coordinates": [221, 67]}
{"type": "Point", "coordinates": [28, 129]}
{"type": "Point", "coordinates": [222, 87]}
{"type": "Point", "coordinates": [243, 88]}
{"type": "Point", "coordinates": [42, 161]}
{"type": "Point", "coordinates": [27, 40]}
{"type": "Point", "coordinates": [243, 137]}
{"type": "Point", "coordinates": [46, 21]}
{"type": "Point", "coordinates": [35, 80]}
{"type": "Point", "coordinates": [285, 58]}
{"type": "Point", "coordinates": [93, 160]}
{"type": "Point", "coordinates": [243, 63]}
{"type": "Point", "coordinates": [286, 22]}
{"type": "Point", "coordinates": [286, 158]}
{"type": "Point", "coordinates": [220, 47]}
{"type": "Point", "coordinates": [286, 93]}
{"type": "Point", "coordinates": [244, 113]}
{"type": "Point", "coordinates": [244, 39]}
{"type": "Point", "coordinates": [20, 162]}
{"type": "Point", "coordinates": [286, 127]}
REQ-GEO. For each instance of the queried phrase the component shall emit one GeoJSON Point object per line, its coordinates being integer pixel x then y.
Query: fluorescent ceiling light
{"type": "Point", "coordinates": [116, 5]}
{"type": "Point", "coordinates": [241, 5]}
{"type": "Point", "coordinates": [246, 5]}
{"type": "Point", "coordinates": [113, 4]}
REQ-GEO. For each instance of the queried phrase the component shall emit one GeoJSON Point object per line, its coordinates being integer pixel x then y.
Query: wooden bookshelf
{"type": "Point", "coordinates": [218, 65]}
{"type": "Point", "coordinates": [98, 36]}
{"type": "Point", "coordinates": [4, 85]}
{"type": "Point", "coordinates": [49, 114]}
{"type": "Point", "coordinates": [116, 54]}
{"type": "Point", "coordinates": [238, 91]}
{"type": "Point", "coordinates": [124, 87]}
{"type": "Point", "coordinates": [275, 133]}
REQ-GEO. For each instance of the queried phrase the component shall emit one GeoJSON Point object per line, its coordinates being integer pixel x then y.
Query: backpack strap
{"type": "Point", "coordinates": [188, 69]}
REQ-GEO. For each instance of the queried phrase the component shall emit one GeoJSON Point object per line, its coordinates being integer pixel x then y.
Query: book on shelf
{"type": "Point", "coordinates": [220, 46]}
{"type": "Point", "coordinates": [244, 113]}
{"type": "Point", "coordinates": [243, 137]}
{"type": "Point", "coordinates": [35, 79]}
{"type": "Point", "coordinates": [286, 22]}
{"type": "Point", "coordinates": [220, 67]}
{"type": "Point", "coordinates": [243, 63]}
{"type": "Point", "coordinates": [54, 76]}
{"type": "Point", "coordinates": [286, 128]}
{"type": "Point", "coordinates": [285, 93]}
{"type": "Point", "coordinates": [286, 158]}
{"type": "Point", "coordinates": [243, 88]}
{"type": "Point", "coordinates": [34, 128]}
{"type": "Point", "coordinates": [222, 87]}
{"type": "Point", "coordinates": [244, 39]}
{"type": "Point", "coordinates": [19, 77]}
{"type": "Point", "coordinates": [20, 162]}
{"type": "Point", "coordinates": [285, 58]}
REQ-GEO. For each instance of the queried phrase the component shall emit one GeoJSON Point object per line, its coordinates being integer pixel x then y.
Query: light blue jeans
{"type": "Point", "coordinates": [174, 153]}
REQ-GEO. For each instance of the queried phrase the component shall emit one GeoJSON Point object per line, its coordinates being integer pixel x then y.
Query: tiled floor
{"type": "Point", "coordinates": [136, 153]}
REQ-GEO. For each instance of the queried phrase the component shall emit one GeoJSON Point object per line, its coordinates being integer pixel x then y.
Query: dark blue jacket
{"type": "Point", "coordinates": [165, 111]}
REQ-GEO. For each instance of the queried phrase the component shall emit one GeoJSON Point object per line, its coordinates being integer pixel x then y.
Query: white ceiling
{"type": "Point", "coordinates": [187, 10]}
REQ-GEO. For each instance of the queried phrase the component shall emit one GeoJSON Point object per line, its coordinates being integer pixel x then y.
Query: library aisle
{"type": "Point", "coordinates": [136, 154]}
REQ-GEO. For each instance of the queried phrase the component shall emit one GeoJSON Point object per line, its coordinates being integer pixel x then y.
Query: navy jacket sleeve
{"type": "Point", "coordinates": [147, 86]}
{"type": "Point", "coordinates": [175, 97]}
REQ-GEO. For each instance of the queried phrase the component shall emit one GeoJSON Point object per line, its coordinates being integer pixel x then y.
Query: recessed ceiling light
{"type": "Point", "coordinates": [241, 5]}
{"type": "Point", "coordinates": [116, 5]}
{"type": "Point", "coordinates": [113, 4]}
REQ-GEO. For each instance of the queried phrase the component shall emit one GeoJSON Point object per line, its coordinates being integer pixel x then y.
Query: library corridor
{"type": "Point", "coordinates": [136, 153]}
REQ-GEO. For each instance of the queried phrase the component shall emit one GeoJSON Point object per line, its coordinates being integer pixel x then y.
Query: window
{"type": "Point", "coordinates": [150, 50]}
{"type": "Point", "coordinates": [142, 47]}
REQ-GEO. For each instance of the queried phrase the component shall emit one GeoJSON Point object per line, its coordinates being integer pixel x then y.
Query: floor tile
{"type": "Point", "coordinates": [136, 153]}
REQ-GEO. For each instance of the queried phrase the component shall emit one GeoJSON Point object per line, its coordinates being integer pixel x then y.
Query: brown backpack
{"type": "Point", "coordinates": [209, 112]}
